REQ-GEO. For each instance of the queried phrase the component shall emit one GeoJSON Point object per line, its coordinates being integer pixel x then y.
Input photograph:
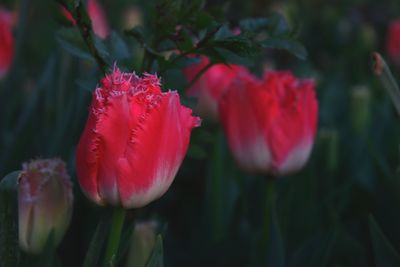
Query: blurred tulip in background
{"type": "Point", "coordinates": [44, 203]}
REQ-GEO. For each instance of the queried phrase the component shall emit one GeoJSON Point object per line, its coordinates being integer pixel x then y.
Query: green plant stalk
{"type": "Point", "coordinates": [117, 224]}
{"type": "Point", "coordinates": [385, 76]}
{"type": "Point", "coordinates": [269, 209]}
{"type": "Point", "coordinates": [87, 35]}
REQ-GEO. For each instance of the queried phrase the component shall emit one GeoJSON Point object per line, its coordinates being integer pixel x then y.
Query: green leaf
{"type": "Point", "coordinates": [275, 25]}
{"type": "Point", "coordinates": [125, 241]}
{"type": "Point", "coordinates": [9, 249]}
{"type": "Point", "coordinates": [239, 45]}
{"type": "Point", "coordinates": [254, 24]}
{"type": "Point", "coordinates": [293, 46]}
{"type": "Point", "coordinates": [95, 248]}
{"type": "Point", "coordinates": [157, 256]}
{"type": "Point", "coordinates": [384, 253]}
{"type": "Point", "coordinates": [137, 33]}
{"type": "Point", "coordinates": [119, 49]}
{"type": "Point", "coordinates": [72, 42]}
{"type": "Point", "coordinates": [222, 190]}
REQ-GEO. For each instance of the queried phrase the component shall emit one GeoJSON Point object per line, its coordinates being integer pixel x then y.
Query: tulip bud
{"type": "Point", "coordinates": [132, 17]}
{"type": "Point", "coordinates": [44, 203]}
{"type": "Point", "coordinates": [142, 244]}
{"type": "Point", "coordinates": [7, 42]}
{"type": "Point", "coordinates": [393, 41]}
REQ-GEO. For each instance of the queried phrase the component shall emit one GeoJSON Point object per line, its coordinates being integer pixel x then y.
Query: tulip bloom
{"type": "Point", "coordinates": [134, 141]}
{"type": "Point", "coordinates": [7, 42]}
{"type": "Point", "coordinates": [393, 41]}
{"type": "Point", "coordinates": [97, 16]}
{"type": "Point", "coordinates": [209, 87]}
{"type": "Point", "coordinates": [270, 123]}
{"type": "Point", "coordinates": [44, 203]}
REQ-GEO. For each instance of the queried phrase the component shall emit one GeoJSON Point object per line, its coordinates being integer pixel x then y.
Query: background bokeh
{"type": "Point", "coordinates": [212, 214]}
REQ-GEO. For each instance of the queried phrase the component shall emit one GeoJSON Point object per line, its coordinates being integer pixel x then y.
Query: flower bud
{"type": "Point", "coordinates": [393, 41]}
{"type": "Point", "coordinates": [132, 17]}
{"type": "Point", "coordinates": [44, 203]}
{"type": "Point", "coordinates": [7, 43]}
{"type": "Point", "coordinates": [142, 244]}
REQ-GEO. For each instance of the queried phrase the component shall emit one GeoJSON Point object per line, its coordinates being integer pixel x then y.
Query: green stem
{"type": "Point", "coordinates": [269, 208]}
{"type": "Point", "coordinates": [269, 211]}
{"type": "Point", "coordinates": [115, 236]}
{"type": "Point", "coordinates": [382, 70]}
{"type": "Point", "coordinates": [87, 35]}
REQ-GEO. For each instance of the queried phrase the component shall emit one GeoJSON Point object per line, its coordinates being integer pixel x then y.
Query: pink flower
{"type": "Point", "coordinates": [393, 41]}
{"type": "Point", "coordinates": [7, 43]}
{"type": "Point", "coordinates": [134, 141]}
{"type": "Point", "coordinates": [270, 123]}
{"type": "Point", "coordinates": [97, 16]}
{"type": "Point", "coordinates": [211, 84]}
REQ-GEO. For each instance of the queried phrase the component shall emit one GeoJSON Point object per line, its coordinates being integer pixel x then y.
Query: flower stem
{"type": "Point", "coordinates": [115, 236]}
{"type": "Point", "coordinates": [269, 211]}
{"type": "Point", "coordinates": [269, 208]}
{"type": "Point", "coordinates": [382, 70]}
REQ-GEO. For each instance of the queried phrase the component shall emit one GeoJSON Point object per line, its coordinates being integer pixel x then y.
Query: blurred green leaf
{"type": "Point", "coordinates": [275, 25]}
{"type": "Point", "coordinates": [384, 253]}
{"type": "Point", "coordinates": [137, 33]}
{"type": "Point", "coordinates": [239, 45]}
{"type": "Point", "coordinates": [94, 252]}
{"type": "Point", "coordinates": [293, 46]}
{"type": "Point", "coordinates": [9, 249]}
{"type": "Point", "coordinates": [157, 256]}
{"type": "Point", "coordinates": [125, 241]}
{"type": "Point", "coordinates": [254, 24]}
{"type": "Point", "coordinates": [71, 41]}
{"type": "Point", "coordinates": [222, 190]}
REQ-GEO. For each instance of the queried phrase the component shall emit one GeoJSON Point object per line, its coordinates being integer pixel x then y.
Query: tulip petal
{"type": "Point", "coordinates": [240, 118]}
{"type": "Point", "coordinates": [158, 146]}
{"type": "Point", "coordinates": [87, 160]}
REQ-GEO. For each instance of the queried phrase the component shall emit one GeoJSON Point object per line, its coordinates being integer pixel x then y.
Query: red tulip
{"type": "Point", "coordinates": [6, 41]}
{"type": "Point", "coordinates": [134, 141]}
{"type": "Point", "coordinates": [393, 41]}
{"type": "Point", "coordinates": [271, 123]}
{"type": "Point", "coordinates": [97, 16]}
{"type": "Point", "coordinates": [211, 84]}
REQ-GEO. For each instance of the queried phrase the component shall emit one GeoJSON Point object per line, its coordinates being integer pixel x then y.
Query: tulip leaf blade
{"type": "Point", "coordinates": [157, 256]}
{"type": "Point", "coordinates": [239, 45]}
{"type": "Point", "coordinates": [125, 241]}
{"type": "Point", "coordinates": [384, 253]}
{"type": "Point", "coordinates": [70, 40]}
{"type": "Point", "coordinates": [9, 251]}
{"type": "Point", "coordinates": [291, 45]}
{"type": "Point", "coordinates": [96, 244]}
